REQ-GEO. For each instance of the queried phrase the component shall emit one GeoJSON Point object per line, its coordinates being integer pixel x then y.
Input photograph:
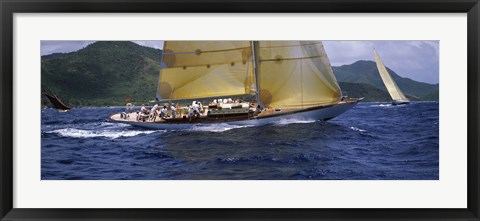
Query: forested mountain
{"type": "Point", "coordinates": [366, 72]}
{"type": "Point", "coordinates": [103, 74]}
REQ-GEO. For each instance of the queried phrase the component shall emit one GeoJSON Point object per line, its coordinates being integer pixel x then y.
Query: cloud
{"type": "Point", "coordinates": [152, 44]}
{"type": "Point", "coordinates": [50, 47]}
{"type": "Point", "coordinates": [418, 60]}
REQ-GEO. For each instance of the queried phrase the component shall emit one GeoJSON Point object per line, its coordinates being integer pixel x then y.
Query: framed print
{"type": "Point", "coordinates": [239, 110]}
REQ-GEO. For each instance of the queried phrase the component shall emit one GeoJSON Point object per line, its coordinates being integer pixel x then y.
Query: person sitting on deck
{"type": "Point", "coordinates": [153, 113]}
{"type": "Point", "coordinates": [145, 111]}
{"type": "Point", "coordinates": [189, 112]}
{"type": "Point", "coordinates": [200, 107]}
{"type": "Point", "coordinates": [196, 109]}
{"type": "Point", "coordinates": [128, 109]}
{"type": "Point", "coordinates": [141, 116]}
{"type": "Point", "coordinates": [163, 112]}
{"type": "Point", "coordinates": [173, 110]}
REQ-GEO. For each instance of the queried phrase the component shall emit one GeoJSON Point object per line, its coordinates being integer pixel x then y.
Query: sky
{"type": "Point", "coordinates": [417, 60]}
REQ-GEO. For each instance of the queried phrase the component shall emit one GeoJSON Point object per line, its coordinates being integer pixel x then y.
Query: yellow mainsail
{"type": "Point", "coordinates": [295, 74]}
{"type": "Point", "coordinates": [390, 84]}
{"type": "Point", "coordinates": [202, 69]}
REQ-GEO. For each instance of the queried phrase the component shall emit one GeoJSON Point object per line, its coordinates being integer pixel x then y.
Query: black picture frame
{"type": "Point", "coordinates": [9, 7]}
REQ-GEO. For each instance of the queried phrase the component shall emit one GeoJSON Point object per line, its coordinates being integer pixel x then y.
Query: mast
{"type": "Point", "coordinates": [157, 97]}
{"type": "Point", "coordinates": [255, 70]}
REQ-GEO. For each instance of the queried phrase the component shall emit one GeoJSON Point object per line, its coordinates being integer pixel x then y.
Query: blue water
{"type": "Point", "coordinates": [372, 141]}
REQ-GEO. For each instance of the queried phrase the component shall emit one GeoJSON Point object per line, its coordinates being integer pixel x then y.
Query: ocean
{"type": "Point", "coordinates": [372, 141]}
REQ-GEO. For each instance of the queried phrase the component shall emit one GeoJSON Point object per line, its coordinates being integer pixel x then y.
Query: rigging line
{"type": "Point", "coordinates": [301, 79]}
{"type": "Point", "coordinates": [287, 59]}
{"type": "Point", "coordinates": [205, 64]}
{"type": "Point", "coordinates": [205, 97]}
{"type": "Point", "coordinates": [212, 51]}
{"type": "Point", "coordinates": [295, 45]}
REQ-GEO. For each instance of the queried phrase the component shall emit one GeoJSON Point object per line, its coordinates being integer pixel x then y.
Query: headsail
{"type": "Point", "coordinates": [296, 74]}
{"type": "Point", "coordinates": [390, 84]}
{"type": "Point", "coordinates": [201, 69]}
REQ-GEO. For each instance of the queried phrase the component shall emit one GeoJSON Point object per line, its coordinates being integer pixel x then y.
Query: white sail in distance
{"type": "Point", "coordinates": [390, 84]}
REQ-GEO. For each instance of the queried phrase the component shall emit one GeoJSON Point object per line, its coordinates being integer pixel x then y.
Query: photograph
{"type": "Point", "coordinates": [260, 110]}
{"type": "Point", "coordinates": [239, 110]}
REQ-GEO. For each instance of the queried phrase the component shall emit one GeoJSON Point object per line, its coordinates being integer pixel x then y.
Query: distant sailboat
{"type": "Point", "coordinates": [397, 96]}
{"type": "Point", "coordinates": [268, 81]}
{"type": "Point", "coordinates": [57, 103]}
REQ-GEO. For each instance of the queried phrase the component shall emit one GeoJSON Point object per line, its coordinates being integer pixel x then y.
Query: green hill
{"type": "Point", "coordinates": [50, 56]}
{"type": "Point", "coordinates": [102, 74]}
{"type": "Point", "coordinates": [366, 72]}
{"type": "Point", "coordinates": [368, 92]}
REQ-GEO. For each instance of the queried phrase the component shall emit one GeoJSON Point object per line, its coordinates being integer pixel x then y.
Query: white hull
{"type": "Point", "coordinates": [325, 113]}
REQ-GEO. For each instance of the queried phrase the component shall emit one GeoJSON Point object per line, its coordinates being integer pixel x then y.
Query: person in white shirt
{"type": "Point", "coordinates": [153, 113]}
{"type": "Point", "coordinates": [189, 112]}
{"type": "Point", "coordinates": [196, 110]}
{"type": "Point", "coordinates": [173, 113]}
{"type": "Point", "coordinates": [200, 107]}
{"type": "Point", "coordinates": [163, 112]}
{"type": "Point", "coordinates": [153, 108]}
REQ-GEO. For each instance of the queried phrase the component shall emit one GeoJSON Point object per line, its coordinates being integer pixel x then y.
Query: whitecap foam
{"type": "Point", "coordinates": [216, 127]}
{"type": "Point", "coordinates": [113, 125]}
{"type": "Point", "coordinates": [78, 133]}
{"type": "Point", "coordinates": [357, 129]}
{"type": "Point", "coordinates": [293, 121]}
{"type": "Point", "coordinates": [381, 105]}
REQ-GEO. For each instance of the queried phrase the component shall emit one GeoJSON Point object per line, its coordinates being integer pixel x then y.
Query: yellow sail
{"type": "Point", "coordinates": [390, 84]}
{"type": "Point", "coordinates": [296, 74]}
{"type": "Point", "coordinates": [201, 69]}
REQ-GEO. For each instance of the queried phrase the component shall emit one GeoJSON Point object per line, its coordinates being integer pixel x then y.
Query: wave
{"type": "Point", "coordinates": [216, 127]}
{"type": "Point", "coordinates": [78, 133]}
{"type": "Point", "coordinates": [111, 125]}
{"type": "Point", "coordinates": [222, 127]}
{"type": "Point", "coordinates": [283, 159]}
{"type": "Point", "coordinates": [293, 121]}
{"type": "Point", "coordinates": [357, 129]}
{"type": "Point", "coordinates": [381, 105]}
